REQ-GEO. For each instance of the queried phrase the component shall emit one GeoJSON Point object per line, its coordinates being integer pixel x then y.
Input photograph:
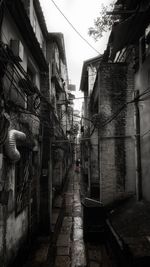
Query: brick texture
{"type": "Point", "coordinates": [116, 89]}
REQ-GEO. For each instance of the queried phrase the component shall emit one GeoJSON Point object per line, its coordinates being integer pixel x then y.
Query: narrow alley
{"type": "Point", "coordinates": [74, 133]}
{"type": "Point", "coordinates": [68, 248]}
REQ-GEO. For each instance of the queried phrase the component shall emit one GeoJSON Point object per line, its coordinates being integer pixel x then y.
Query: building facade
{"type": "Point", "coordinates": [134, 51]}
{"type": "Point", "coordinates": [120, 102]}
{"type": "Point", "coordinates": [30, 124]}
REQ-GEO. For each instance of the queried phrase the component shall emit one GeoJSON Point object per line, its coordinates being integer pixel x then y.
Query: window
{"type": "Point", "coordinates": [21, 180]}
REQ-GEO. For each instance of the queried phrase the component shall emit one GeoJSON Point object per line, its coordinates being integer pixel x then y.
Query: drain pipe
{"type": "Point", "coordinates": [10, 145]}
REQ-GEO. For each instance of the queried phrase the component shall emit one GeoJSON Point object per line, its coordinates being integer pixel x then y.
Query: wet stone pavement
{"type": "Point", "coordinates": [68, 248]}
{"type": "Point", "coordinates": [70, 245]}
{"type": "Point", "coordinates": [71, 250]}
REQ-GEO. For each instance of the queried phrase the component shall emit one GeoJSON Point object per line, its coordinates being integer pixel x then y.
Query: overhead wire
{"type": "Point", "coordinates": [137, 98]}
{"type": "Point", "coordinates": [21, 110]}
{"type": "Point", "coordinates": [14, 83]}
{"type": "Point", "coordinates": [18, 66]}
{"type": "Point", "coordinates": [114, 115]}
{"type": "Point", "coordinates": [74, 27]}
{"type": "Point", "coordinates": [10, 58]}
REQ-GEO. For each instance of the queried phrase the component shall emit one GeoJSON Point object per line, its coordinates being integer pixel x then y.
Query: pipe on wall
{"type": "Point", "coordinates": [10, 146]}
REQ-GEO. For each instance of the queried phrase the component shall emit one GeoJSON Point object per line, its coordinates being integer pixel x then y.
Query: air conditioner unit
{"type": "Point", "coordinates": [17, 49]}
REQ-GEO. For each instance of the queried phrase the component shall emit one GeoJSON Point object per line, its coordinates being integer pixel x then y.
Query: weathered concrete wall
{"type": "Point", "coordinates": [14, 228]}
{"type": "Point", "coordinates": [59, 156]}
{"type": "Point", "coordinates": [94, 160]}
{"type": "Point", "coordinates": [17, 230]}
{"type": "Point", "coordinates": [142, 82]}
{"type": "Point", "coordinates": [107, 171]}
{"type": "Point", "coordinates": [115, 173]}
{"type": "Point", "coordinates": [10, 31]}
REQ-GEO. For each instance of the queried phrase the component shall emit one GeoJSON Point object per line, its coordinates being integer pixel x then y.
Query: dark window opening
{"type": "Point", "coordinates": [22, 180]}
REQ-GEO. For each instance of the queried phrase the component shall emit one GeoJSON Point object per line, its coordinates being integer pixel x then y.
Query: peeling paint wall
{"type": "Point", "coordinates": [13, 228]}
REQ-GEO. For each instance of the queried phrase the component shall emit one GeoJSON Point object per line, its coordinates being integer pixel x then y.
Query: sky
{"type": "Point", "coordinates": [81, 14]}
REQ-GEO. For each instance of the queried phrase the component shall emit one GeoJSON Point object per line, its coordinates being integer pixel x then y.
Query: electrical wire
{"type": "Point", "coordinates": [11, 59]}
{"type": "Point", "coordinates": [74, 28]}
{"type": "Point", "coordinates": [82, 117]}
{"type": "Point", "coordinates": [10, 75]}
{"type": "Point", "coordinates": [24, 111]}
{"type": "Point", "coordinates": [146, 92]}
{"type": "Point", "coordinates": [42, 97]}
{"type": "Point", "coordinates": [115, 115]}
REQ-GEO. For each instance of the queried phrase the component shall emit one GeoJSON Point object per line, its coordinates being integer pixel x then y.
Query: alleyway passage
{"type": "Point", "coordinates": [70, 245]}
{"type": "Point", "coordinates": [71, 249]}
{"type": "Point", "coordinates": [68, 248]}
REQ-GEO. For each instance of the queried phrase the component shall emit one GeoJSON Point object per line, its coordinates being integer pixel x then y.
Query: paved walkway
{"type": "Point", "coordinates": [70, 245]}
{"type": "Point", "coordinates": [67, 248]}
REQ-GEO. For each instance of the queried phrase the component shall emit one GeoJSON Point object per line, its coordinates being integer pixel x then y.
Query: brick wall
{"type": "Point", "coordinates": [116, 88]}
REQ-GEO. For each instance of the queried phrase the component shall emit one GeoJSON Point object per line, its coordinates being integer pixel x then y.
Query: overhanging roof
{"type": "Point", "coordinates": [129, 31]}
{"type": "Point", "coordinates": [58, 37]}
{"type": "Point", "coordinates": [84, 74]}
{"type": "Point", "coordinates": [41, 18]}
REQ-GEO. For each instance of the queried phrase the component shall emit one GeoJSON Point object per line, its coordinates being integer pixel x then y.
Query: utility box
{"type": "Point", "coordinates": [94, 220]}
